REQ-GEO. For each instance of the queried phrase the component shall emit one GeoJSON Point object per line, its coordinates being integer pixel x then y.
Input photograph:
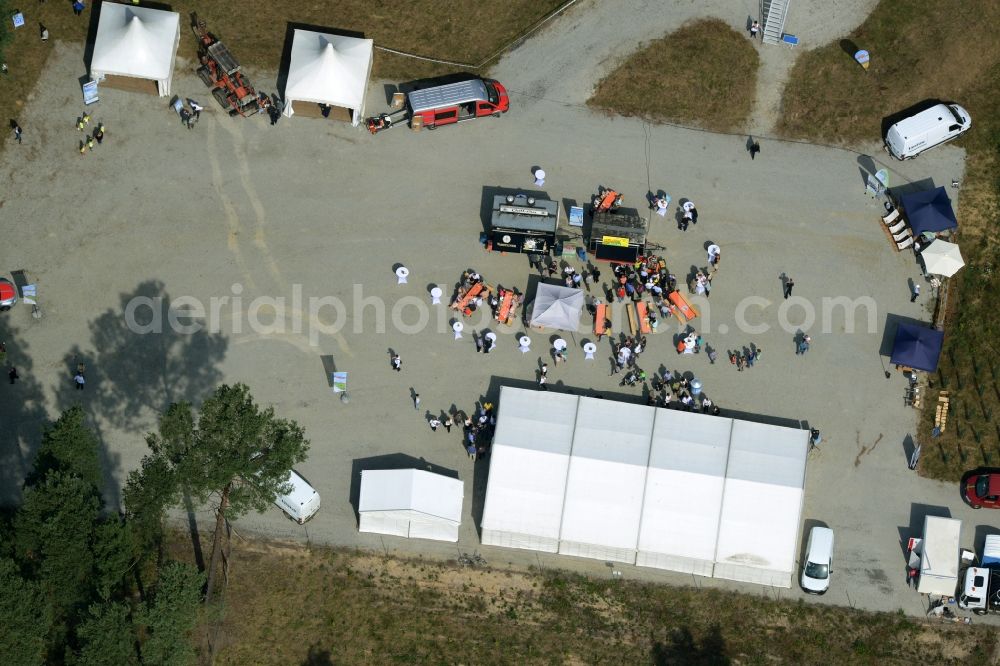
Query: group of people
{"type": "Point", "coordinates": [90, 140]}
{"type": "Point", "coordinates": [627, 352]}
{"type": "Point", "coordinates": [189, 113]}
{"type": "Point", "coordinates": [744, 358]}
{"type": "Point", "coordinates": [477, 432]}
{"type": "Point", "coordinates": [673, 391]}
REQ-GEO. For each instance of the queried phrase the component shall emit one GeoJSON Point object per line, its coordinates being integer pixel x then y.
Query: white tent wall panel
{"type": "Point", "coordinates": [688, 565]}
{"type": "Point", "coordinates": [597, 552]}
{"type": "Point", "coordinates": [752, 574]}
{"type": "Point", "coordinates": [522, 541]}
{"type": "Point", "coordinates": [436, 531]}
{"type": "Point", "coordinates": [384, 523]}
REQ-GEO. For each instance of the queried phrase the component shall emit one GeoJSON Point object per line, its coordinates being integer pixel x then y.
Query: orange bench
{"type": "Point", "coordinates": [469, 295]}
{"type": "Point", "coordinates": [643, 311]}
{"type": "Point", "coordinates": [601, 322]}
{"type": "Point", "coordinates": [504, 312]}
{"type": "Point", "coordinates": [684, 309]}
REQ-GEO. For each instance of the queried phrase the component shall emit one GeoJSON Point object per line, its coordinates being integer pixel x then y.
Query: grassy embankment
{"type": "Point", "coordinates": [926, 50]}
{"type": "Point", "coordinates": [704, 74]}
{"type": "Point", "coordinates": [288, 604]}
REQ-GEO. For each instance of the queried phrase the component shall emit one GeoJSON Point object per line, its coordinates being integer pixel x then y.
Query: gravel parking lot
{"type": "Point", "coordinates": [236, 208]}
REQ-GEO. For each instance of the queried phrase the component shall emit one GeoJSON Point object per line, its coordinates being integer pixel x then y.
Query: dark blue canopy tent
{"type": "Point", "coordinates": [917, 347]}
{"type": "Point", "coordinates": [929, 211]}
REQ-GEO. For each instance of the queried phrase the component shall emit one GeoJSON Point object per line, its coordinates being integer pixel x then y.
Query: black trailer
{"type": "Point", "coordinates": [618, 237]}
{"type": "Point", "coordinates": [522, 223]}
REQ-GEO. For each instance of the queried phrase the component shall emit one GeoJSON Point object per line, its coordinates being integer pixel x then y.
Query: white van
{"type": "Point", "coordinates": [938, 124]}
{"type": "Point", "coordinates": [819, 561]}
{"type": "Point", "coordinates": [301, 503]}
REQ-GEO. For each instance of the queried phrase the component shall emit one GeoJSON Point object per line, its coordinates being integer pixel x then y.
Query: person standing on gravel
{"type": "Point", "coordinates": [754, 29]}
{"type": "Point", "coordinates": [789, 283]}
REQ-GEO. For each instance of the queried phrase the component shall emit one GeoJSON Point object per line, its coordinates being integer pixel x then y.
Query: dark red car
{"type": "Point", "coordinates": [982, 488]}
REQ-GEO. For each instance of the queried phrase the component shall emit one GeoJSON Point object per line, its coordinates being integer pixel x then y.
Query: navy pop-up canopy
{"type": "Point", "coordinates": [917, 347]}
{"type": "Point", "coordinates": [929, 211]}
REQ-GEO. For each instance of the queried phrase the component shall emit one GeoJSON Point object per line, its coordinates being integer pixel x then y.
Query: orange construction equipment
{"type": "Point", "coordinates": [222, 73]}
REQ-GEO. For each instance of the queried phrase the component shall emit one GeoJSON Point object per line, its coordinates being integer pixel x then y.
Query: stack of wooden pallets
{"type": "Point", "coordinates": [941, 411]}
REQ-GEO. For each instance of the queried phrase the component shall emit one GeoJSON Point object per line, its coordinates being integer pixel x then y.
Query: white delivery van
{"type": "Point", "coordinates": [301, 503]}
{"type": "Point", "coordinates": [938, 124]}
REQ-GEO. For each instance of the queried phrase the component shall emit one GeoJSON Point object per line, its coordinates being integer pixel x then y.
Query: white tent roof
{"type": "Point", "coordinates": [762, 503]}
{"type": "Point", "coordinates": [683, 502]}
{"type": "Point", "coordinates": [329, 69]}
{"type": "Point", "coordinates": [557, 307]}
{"type": "Point", "coordinates": [135, 41]}
{"type": "Point", "coordinates": [529, 462]}
{"type": "Point", "coordinates": [607, 473]}
{"type": "Point", "coordinates": [942, 258]}
{"type": "Point", "coordinates": [431, 495]}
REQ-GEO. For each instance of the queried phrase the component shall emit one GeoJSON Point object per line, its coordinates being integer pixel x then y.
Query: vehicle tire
{"type": "Point", "coordinates": [979, 611]}
{"type": "Point", "coordinates": [221, 97]}
{"type": "Point", "coordinates": [206, 76]}
{"type": "Point", "coordinates": [976, 506]}
{"type": "Point", "coordinates": [496, 115]}
{"type": "Point", "coordinates": [431, 127]}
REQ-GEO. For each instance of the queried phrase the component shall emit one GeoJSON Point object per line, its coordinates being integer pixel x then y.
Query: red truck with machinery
{"type": "Point", "coordinates": [444, 105]}
{"type": "Point", "coordinates": [221, 72]}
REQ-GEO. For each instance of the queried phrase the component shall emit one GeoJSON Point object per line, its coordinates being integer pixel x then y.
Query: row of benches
{"type": "Point", "coordinates": [638, 315]}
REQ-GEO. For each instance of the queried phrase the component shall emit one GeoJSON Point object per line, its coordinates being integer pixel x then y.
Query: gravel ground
{"type": "Point", "coordinates": [162, 211]}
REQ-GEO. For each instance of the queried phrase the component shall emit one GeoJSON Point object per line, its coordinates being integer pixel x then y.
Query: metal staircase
{"type": "Point", "coordinates": [774, 12]}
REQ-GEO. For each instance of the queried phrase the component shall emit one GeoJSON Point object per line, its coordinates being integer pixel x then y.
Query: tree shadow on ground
{"type": "Point", "coordinates": [682, 648]}
{"type": "Point", "coordinates": [141, 363]}
{"type": "Point", "coordinates": [22, 414]}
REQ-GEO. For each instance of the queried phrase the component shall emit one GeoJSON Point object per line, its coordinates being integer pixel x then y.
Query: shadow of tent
{"type": "Point", "coordinates": [388, 461]}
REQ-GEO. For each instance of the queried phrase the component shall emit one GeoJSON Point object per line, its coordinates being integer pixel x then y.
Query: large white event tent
{"type": "Point", "coordinates": [529, 463]}
{"type": "Point", "coordinates": [329, 69]}
{"type": "Point", "coordinates": [764, 482]}
{"type": "Point", "coordinates": [687, 472]}
{"type": "Point", "coordinates": [607, 471]}
{"type": "Point", "coordinates": [410, 503]}
{"type": "Point", "coordinates": [620, 482]}
{"type": "Point", "coordinates": [136, 42]}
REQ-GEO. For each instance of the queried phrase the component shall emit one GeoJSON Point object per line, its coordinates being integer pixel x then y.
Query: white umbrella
{"type": "Point", "coordinates": [942, 258]}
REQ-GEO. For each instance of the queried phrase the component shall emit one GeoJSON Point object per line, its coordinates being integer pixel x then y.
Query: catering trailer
{"type": "Point", "coordinates": [522, 223]}
{"type": "Point", "coordinates": [618, 237]}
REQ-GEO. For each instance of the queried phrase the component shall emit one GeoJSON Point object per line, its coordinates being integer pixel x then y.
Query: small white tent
{"type": "Point", "coordinates": [410, 503]}
{"type": "Point", "coordinates": [136, 42]}
{"type": "Point", "coordinates": [329, 69]}
{"type": "Point", "coordinates": [557, 307]}
{"type": "Point", "coordinates": [762, 504]}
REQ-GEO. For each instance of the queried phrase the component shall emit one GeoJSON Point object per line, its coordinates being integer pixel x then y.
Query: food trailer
{"type": "Point", "coordinates": [618, 237]}
{"type": "Point", "coordinates": [522, 223]}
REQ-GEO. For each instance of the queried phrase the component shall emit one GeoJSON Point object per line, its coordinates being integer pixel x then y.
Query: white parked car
{"type": "Point", "coordinates": [819, 561]}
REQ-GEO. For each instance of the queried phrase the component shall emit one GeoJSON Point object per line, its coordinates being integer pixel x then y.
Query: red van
{"type": "Point", "coordinates": [457, 102]}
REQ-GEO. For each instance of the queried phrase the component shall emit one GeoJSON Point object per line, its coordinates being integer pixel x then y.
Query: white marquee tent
{"type": "Point", "coordinates": [136, 42]}
{"type": "Point", "coordinates": [329, 69]}
{"type": "Point", "coordinates": [761, 504]}
{"type": "Point", "coordinates": [410, 503]}
{"type": "Point", "coordinates": [687, 472]}
{"type": "Point", "coordinates": [607, 472]}
{"type": "Point", "coordinates": [528, 467]}
{"type": "Point", "coordinates": [661, 488]}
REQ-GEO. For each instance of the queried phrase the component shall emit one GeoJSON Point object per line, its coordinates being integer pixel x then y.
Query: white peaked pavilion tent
{"type": "Point", "coordinates": [687, 473]}
{"type": "Point", "coordinates": [529, 463]}
{"type": "Point", "coordinates": [410, 503]}
{"type": "Point", "coordinates": [761, 504]}
{"type": "Point", "coordinates": [663, 488]}
{"type": "Point", "coordinates": [607, 472]}
{"type": "Point", "coordinates": [136, 42]}
{"type": "Point", "coordinates": [557, 307]}
{"type": "Point", "coordinates": [329, 69]}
